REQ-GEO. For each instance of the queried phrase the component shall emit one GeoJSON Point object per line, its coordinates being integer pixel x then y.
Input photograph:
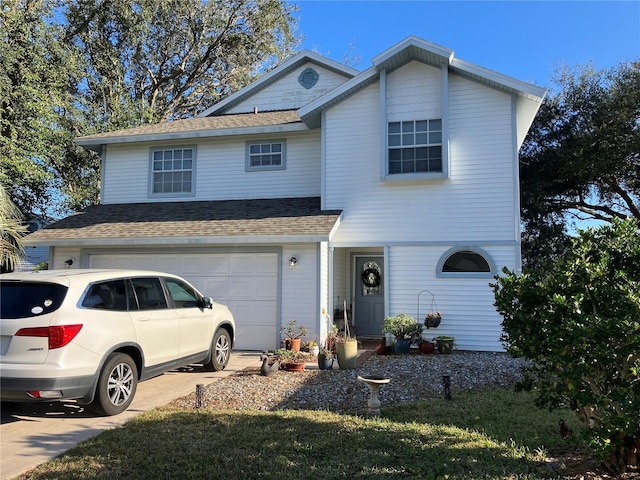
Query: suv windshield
{"type": "Point", "coordinates": [29, 299]}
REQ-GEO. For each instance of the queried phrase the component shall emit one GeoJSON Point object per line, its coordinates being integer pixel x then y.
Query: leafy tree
{"type": "Point", "coordinates": [157, 60]}
{"type": "Point", "coordinates": [99, 66]}
{"type": "Point", "coordinates": [35, 83]}
{"type": "Point", "coordinates": [12, 229]}
{"type": "Point", "coordinates": [581, 159]}
{"type": "Point", "coordinates": [578, 320]}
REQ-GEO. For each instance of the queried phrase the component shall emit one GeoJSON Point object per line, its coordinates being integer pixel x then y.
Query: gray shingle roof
{"type": "Point", "coordinates": [221, 122]}
{"type": "Point", "coordinates": [278, 217]}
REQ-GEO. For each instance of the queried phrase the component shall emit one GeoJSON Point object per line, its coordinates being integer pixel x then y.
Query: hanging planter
{"type": "Point", "coordinates": [433, 316]}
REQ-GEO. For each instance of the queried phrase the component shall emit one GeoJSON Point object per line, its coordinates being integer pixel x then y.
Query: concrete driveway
{"type": "Point", "coordinates": [31, 434]}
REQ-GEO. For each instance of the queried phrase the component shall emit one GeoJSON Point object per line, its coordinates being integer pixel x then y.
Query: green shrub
{"type": "Point", "coordinates": [578, 319]}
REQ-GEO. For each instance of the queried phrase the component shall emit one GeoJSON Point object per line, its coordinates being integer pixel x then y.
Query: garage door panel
{"type": "Point", "coordinates": [245, 288]}
{"type": "Point", "coordinates": [257, 330]}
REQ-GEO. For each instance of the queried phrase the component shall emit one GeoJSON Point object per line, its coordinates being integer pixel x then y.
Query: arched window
{"type": "Point", "coordinates": [466, 262]}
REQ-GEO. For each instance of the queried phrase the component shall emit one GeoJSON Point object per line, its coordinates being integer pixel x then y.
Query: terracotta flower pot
{"type": "Point", "coordinates": [292, 344]}
{"type": "Point", "coordinates": [426, 347]}
{"type": "Point", "coordinates": [294, 366]}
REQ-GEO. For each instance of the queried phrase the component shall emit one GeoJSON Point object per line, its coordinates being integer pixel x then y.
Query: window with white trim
{"type": "Point", "coordinates": [266, 155]}
{"type": "Point", "coordinates": [465, 262]}
{"type": "Point", "coordinates": [415, 146]}
{"type": "Point", "coordinates": [172, 170]}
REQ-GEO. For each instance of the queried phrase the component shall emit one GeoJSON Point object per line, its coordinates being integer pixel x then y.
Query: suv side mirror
{"type": "Point", "coordinates": [207, 302]}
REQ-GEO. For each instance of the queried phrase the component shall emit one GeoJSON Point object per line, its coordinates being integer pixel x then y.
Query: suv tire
{"type": "Point", "coordinates": [220, 351]}
{"type": "Point", "coordinates": [116, 385]}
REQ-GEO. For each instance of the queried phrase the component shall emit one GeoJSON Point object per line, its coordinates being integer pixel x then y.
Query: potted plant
{"type": "Point", "coordinates": [291, 360]}
{"type": "Point", "coordinates": [445, 343]}
{"type": "Point", "coordinates": [325, 359]}
{"type": "Point", "coordinates": [346, 346]}
{"type": "Point", "coordinates": [293, 334]}
{"type": "Point", "coordinates": [432, 320]}
{"type": "Point", "coordinates": [426, 346]}
{"type": "Point", "coordinates": [313, 348]}
{"type": "Point", "coordinates": [405, 330]}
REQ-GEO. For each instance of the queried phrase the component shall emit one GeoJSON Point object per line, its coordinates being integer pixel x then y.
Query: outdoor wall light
{"type": "Point", "coordinates": [293, 261]}
{"type": "Point", "coordinates": [68, 263]}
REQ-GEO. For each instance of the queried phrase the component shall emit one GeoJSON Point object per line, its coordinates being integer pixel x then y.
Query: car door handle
{"type": "Point", "coordinates": [184, 316]}
{"type": "Point", "coordinates": [144, 319]}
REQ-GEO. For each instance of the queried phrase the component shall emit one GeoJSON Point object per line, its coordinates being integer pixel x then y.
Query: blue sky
{"type": "Point", "coordinates": [525, 40]}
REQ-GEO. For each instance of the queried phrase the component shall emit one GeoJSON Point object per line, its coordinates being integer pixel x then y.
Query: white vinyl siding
{"type": "Point", "coordinates": [475, 204]}
{"type": "Point", "coordinates": [300, 288]}
{"type": "Point", "coordinates": [288, 94]}
{"type": "Point", "coordinates": [466, 304]}
{"type": "Point", "coordinates": [221, 171]}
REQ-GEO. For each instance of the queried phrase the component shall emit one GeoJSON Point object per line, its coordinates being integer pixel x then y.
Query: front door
{"type": "Point", "coordinates": [369, 296]}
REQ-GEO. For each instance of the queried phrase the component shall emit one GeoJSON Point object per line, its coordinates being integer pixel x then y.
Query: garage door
{"type": "Point", "coordinates": [246, 282]}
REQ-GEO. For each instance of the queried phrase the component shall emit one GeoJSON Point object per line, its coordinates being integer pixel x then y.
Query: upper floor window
{"type": "Point", "coordinates": [266, 155]}
{"type": "Point", "coordinates": [415, 146]}
{"type": "Point", "coordinates": [172, 170]}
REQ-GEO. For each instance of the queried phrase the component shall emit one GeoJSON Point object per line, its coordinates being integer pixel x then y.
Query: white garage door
{"type": "Point", "coordinates": [246, 282]}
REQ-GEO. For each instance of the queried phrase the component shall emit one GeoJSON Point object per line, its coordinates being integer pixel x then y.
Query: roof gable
{"type": "Point", "coordinates": [416, 49]}
{"type": "Point", "coordinates": [277, 74]}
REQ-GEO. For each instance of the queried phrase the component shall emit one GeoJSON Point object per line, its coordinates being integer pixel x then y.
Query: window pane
{"type": "Point", "coordinates": [407, 139]}
{"type": "Point", "coordinates": [435, 152]}
{"type": "Point", "coordinates": [466, 261]}
{"type": "Point", "coordinates": [408, 154]}
{"type": "Point", "coordinates": [177, 164]}
{"type": "Point", "coordinates": [276, 160]}
{"type": "Point", "coordinates": [186, 164]}
{"type": "Point", "coordinates": [188, 153]}
{"type": "Point", "coordinates": [394, 167]}
{"type": "Point", "coordinates": [435, 137]}
{"type": "Point", "coordinates": [265, 148]}
{"type": "Point", "coordinates": [255, 162]}
{"type": "Point", "coordinates": [395, 154]}
{"type": "Point", "coordinates": [422, 166]}
{"type": "Point", "coordinates": [421, 138]}
{"type": "Point", "coordinates": [407, 127]}
{"type": "Point", "coordinates": [408, 167]}
{"type": "Point", "coordinates": [168, 155]}
{"type": "Point", "coordinates": [421, 153]}
{"type": "Point", "coordinates": [276, 147]}
{"type": "Point", "coordinates": [253, 149]}
{"type": "Point", "coordinates": [435, 165]}
{"type": "Point", "coordinates": [394, 140]}
{"type": "Point", "coordinates": [394, 127]}
{"type": "Point", "coordinates": [157, 155]}
{"type": "Point", "coordinates": [167, 165]}
{"type": "Point", "coordinates": [157, 166]}
{"type": "Point", "coordinates": [435, 125]}
{"type": "Point", "coordinates": [421, 126]}
{"type": "Point", "coordinates": [177, 154]}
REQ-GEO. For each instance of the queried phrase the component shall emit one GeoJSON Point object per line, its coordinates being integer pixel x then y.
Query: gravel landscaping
{"type": "Point", "coordinates": [413, 377]}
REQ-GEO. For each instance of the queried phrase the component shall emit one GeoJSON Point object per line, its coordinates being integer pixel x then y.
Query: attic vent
{"type": "Point", "coordinates": [308, 78]}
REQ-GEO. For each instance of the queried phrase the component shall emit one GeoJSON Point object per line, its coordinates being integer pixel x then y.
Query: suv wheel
{"type": "Point", "coordinates": [220, 351]}
{"type": "Point", "coordinates": [116, 385]}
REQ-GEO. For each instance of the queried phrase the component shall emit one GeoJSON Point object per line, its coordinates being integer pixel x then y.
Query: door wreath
{"type": "Point", "coordinates": [371, 278]}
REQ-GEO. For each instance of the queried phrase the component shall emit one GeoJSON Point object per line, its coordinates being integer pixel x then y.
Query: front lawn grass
{"type": "Point", "coordinates": [489, 435]}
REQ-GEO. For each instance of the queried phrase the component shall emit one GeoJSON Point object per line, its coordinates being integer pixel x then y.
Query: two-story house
{"type": "Point", "coordinates": [319, 185]}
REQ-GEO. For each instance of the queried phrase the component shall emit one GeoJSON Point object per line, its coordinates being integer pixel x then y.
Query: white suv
{"type": "Point", "coordinates": [92, 335]}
